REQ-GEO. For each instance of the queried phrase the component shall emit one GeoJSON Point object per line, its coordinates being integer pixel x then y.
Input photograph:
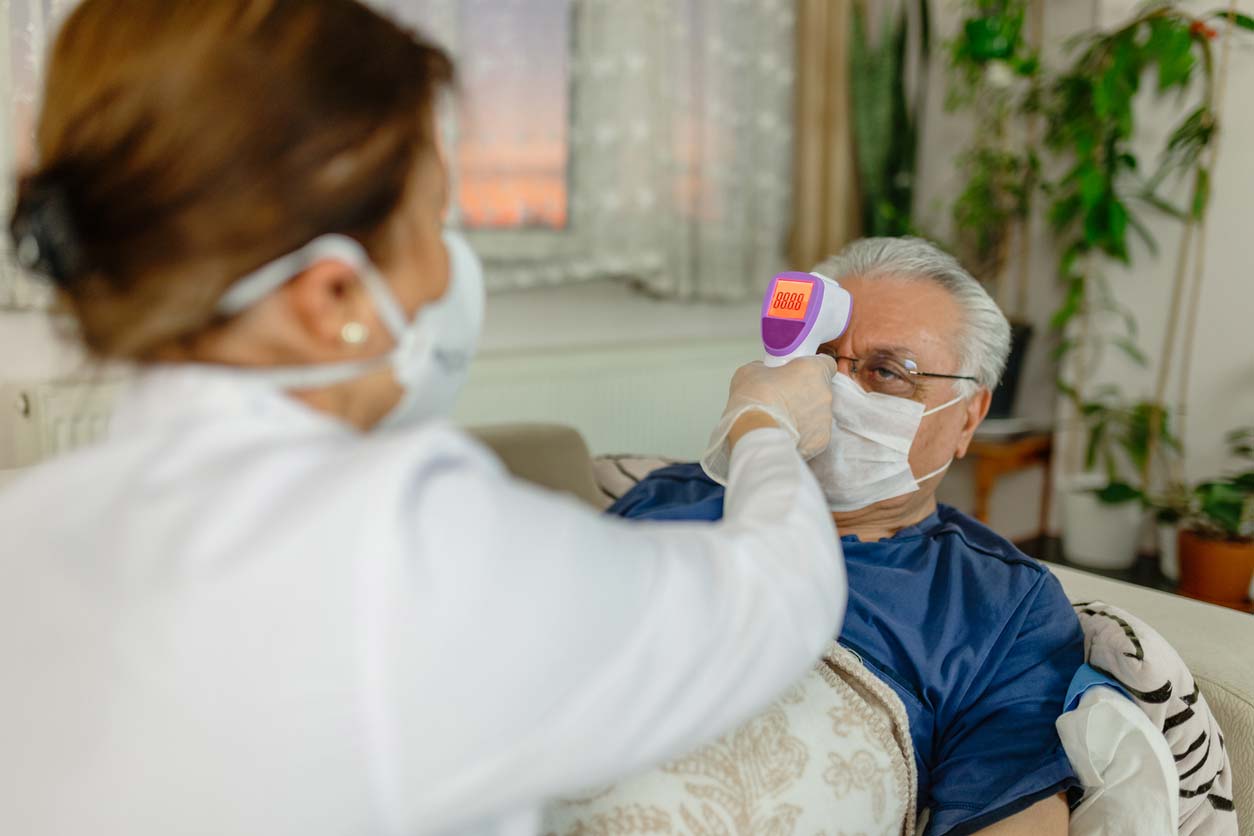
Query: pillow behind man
{"type": "Point", "coordinates": [978, 640]}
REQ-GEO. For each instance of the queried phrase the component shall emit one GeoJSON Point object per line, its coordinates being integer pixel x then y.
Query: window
{"type": "Point", "coordinates": [514, 123]}
{"type": "Point", "coordinates": [511, 132]}
{"type": "Point", "coordinates": [649, 141]}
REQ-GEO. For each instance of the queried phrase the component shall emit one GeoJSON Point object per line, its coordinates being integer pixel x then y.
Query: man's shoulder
{"type": "Point", "coordinates": [1000, 568]}
{"type": "Point", "coordinates": [985, 542]}
{"type": "Point", "coordinates": [675, 492]}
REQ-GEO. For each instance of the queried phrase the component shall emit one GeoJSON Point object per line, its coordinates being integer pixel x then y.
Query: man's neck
{"type": "Point", "coordinates": [884, 519]}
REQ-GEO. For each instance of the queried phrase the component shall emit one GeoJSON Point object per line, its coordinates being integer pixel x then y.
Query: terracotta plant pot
{"type": "Point", "coordinates": [1215, 570]}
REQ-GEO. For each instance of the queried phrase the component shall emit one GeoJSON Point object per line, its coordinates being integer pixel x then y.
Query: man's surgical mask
{"type": "Point", "coordinates": [868, 459]}
{"type": "Point", "coordinates": [433, 349]}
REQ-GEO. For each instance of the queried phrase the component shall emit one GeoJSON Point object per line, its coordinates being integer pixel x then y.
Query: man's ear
{"type": "Point", "coordinates": [976, 408]}
{"type": "Point", "coordinates": [324, 298]}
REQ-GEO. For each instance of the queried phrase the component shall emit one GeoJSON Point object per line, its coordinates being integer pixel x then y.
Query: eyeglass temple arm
{"type": "Point", "coordinates": [854, 360]}
{"type": "Point", "coordinates": [946, 376]}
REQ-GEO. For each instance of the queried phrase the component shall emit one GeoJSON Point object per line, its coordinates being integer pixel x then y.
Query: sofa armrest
{"type": "Point", "coordinates": [549, 455]}
{"type": "Point", "coordinates": [1218, 646]}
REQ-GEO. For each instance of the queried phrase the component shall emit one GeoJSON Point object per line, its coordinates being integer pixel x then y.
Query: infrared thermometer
{"type": "Point", "coordinates": [802, 311]}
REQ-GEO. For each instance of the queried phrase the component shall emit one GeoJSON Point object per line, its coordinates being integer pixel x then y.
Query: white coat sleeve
{"type": "Point", "coordinates": [539, 648]}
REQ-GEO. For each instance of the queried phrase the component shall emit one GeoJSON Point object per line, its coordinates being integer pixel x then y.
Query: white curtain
{"type": "Point", "coordinates": [680, 145]}
{"type": "Point", "coordinates": [25, 29]}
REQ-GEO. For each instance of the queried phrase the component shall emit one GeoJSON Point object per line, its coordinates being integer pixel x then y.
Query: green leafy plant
{"type": "Point", "coordinates": [1092, 126]}
{"type": "Point", "coordinates": [886, 119]}
{"type": "Point", "coordinates": [995, 73]}
{"type": "Point", "coordinates": [1220, 509]}
{"type": "Point", "coordinates": [1099, 193]}
{"type": "Point", "coordinates": [1119, 438]}
{"type": "Point", "coordinates": [1098, 202]}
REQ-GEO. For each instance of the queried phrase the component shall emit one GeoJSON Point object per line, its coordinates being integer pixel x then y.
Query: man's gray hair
{"type": "Point", "coordinates": [985, 341]}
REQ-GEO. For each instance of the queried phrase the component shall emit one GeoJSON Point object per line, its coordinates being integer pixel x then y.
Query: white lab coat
{"type": "Point", "coordinates": [238, 616]}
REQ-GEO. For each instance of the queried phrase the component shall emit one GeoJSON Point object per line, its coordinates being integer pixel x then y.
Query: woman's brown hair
{"type": "Point", "coordinates": [183, 144]}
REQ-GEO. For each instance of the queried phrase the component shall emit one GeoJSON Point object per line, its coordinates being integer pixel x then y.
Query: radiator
{"type": "Point", "coordinates": [661, 399]}
{"type": "Point", "coordinates": [40, 420]}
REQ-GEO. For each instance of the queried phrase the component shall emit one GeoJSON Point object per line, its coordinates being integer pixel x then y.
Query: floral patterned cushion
{"type": "Point", "coordinates": [832, 755]}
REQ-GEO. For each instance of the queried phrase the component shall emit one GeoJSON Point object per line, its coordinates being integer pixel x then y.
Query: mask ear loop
{"type": "Point", "coordinates": [934, 410]}
{"type": "Point", "coordinates": [260, 283]}
{"type": "Point", "coordinates": [943, 468]}
{"type": "Point", "coordinates": [946, 466]}
{"type": "Point", "coordinates": [920, 480]}
{"type": "Point", "coordinates": [268, 278]}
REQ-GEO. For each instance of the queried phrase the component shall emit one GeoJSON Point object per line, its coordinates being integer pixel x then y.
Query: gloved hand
{"type": "Point", "coordinates": [797, 396]}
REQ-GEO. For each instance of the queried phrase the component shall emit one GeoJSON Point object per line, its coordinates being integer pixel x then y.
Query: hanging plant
{"type": "Point", "coordinates": [995, 73]}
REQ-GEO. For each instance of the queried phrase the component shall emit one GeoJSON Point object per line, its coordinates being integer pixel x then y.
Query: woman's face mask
{"type": "Point", "coordinates": [868, 459]}
{"type": "Point", "coordinates": [433, 349]}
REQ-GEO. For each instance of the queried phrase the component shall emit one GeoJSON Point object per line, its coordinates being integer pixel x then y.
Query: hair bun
{"type": "Point", "coordinates": [45, 239]}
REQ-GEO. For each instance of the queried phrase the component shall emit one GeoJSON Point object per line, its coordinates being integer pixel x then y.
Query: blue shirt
{"type": "Point", "coordinates": [978, 640]}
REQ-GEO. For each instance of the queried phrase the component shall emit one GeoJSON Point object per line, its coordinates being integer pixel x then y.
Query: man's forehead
{"type": "Point", "coordinates": [902, 317]}
{"type": "Point", "coordinates": [883, 348]}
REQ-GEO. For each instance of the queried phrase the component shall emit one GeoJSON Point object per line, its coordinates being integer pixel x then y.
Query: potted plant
{"type": "Point", "coordinates": [1216, 545]}
{"type": "Point", "coordinates": [1105, 507]}
{"type": "Point", "coordinates": [995, 73]}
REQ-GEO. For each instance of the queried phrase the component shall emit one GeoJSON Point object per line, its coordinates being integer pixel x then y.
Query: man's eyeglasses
{"type": "Point", "coordinates": [888, 374]}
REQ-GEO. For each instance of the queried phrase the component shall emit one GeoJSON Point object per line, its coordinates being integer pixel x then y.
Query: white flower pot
{"type": "Point", "coordinates": [1096, 535]}
{"type": "Point", "coordinates": [1169, 551]}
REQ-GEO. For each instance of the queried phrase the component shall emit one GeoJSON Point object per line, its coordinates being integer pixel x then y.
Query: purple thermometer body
{"type": "Point", "coordinates": [801, 312]}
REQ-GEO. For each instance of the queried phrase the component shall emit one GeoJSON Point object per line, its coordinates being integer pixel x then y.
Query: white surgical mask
{"type": "Point", "coordinates": [868, 459]}
{"type": "Point", "coordinates": [433, 349]}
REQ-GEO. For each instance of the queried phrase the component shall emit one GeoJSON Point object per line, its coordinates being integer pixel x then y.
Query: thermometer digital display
{"type": "Point", "coordinates": [802, 311]}
{"type": "Point", "coordinates": [790, 299]}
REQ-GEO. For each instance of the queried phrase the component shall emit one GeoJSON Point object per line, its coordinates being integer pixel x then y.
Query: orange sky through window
{"type": "Point", "coordinates": [514, 117]}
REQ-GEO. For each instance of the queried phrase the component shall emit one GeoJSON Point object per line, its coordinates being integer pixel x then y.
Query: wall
{"type": "Point", "coordinates": [32, 349]}
{"type": "Point", "coordinates": [633, 374]}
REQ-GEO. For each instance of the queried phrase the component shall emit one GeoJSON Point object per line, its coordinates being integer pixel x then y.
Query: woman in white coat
{"type": "Point", "coordinates": [285, 596]}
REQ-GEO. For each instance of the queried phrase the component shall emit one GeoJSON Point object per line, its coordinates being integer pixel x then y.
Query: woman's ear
{"type": "Point", "coordinates": [976, 408]}
{"type": "Point", "coordinates": [323, 299]}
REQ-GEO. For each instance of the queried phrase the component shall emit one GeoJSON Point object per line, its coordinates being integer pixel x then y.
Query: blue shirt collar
{"type": "Point", "coordinates": [922, 528]}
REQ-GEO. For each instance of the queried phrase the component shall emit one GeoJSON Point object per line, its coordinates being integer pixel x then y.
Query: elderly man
{"type": "Point", "coordinates": [977, 640]}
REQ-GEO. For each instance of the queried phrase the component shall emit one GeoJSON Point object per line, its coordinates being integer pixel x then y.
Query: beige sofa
{"type": "Point", "coordinates": [1218, 644]}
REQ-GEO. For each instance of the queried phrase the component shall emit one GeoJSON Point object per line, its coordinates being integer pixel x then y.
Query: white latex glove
{"type": "Point", "coordinates": [797, 396]}
{"type": "Point", "coordinates": [1125, 766]}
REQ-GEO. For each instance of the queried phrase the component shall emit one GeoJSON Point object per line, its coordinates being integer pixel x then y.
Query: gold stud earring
{"type": "Point", "coordinates": [354, 333]}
